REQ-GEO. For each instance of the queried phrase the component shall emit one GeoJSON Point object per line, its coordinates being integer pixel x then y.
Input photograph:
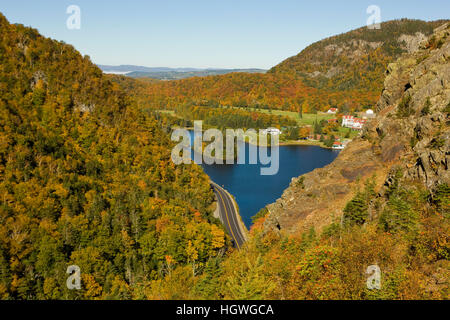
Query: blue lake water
{"type": "Point", "coordinates": [254, 191]}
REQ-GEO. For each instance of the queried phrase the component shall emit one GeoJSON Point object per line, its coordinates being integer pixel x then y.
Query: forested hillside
{"type": "Point", "coordinates": [266, 91]}
{"type": "Point", "coordinates": [86, 179]}
{"type": "Point", "coordinates": [356, 59]}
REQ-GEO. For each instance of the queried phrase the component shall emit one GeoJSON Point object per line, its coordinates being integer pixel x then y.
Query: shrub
{"type": "Point", "coordinates": [404, 109]}
{"type": "Point", "coordinates": [447, 108]}
{"type": "Point", "coordinates": [261, 214]}
{"type": "Point", "coordinates": [426, 109]}
{"type": "Point", "coordinates": [437, 143]}
{"type": "Point", "coordinates": [441, 198]}
{"type": "Point", "coordinates": [398, 216]}
{"type": "Point", "coordinates": [357, 210]}
{"type": "Point", "coordinates": [301, 182]}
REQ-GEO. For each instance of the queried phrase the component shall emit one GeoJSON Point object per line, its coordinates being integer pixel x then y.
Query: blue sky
{"type": "Point", "coordinates": [205, 33]}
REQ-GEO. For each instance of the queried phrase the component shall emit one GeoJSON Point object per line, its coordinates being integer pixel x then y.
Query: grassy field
{"type": "Point", "coordinates": [343, 132]}
{"type": "Point", "coordinates": [307, 119]}
{"type": "Point", "coordinates": [170, 112]}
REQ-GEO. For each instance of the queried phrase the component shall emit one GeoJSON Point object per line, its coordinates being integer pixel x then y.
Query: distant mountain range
{"type": "Point", "coordinates": [163, 73]}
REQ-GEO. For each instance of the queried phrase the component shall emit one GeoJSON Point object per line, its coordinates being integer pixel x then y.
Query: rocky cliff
{"type": "Point", "coordinates": [410, 133]}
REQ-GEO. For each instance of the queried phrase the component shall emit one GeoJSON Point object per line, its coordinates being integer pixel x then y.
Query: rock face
{"type": "Point", "coordinates": [412, 42]}
{"type": "Point", "coordinates": [411, 132]}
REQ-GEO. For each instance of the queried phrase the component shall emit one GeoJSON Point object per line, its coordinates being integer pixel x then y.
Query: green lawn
{"type": "Point", "coordinates": [343, 131]}
{"type": "Point", "coordinates": [308, 118]}
{"type": "Point", "coordinates": [170, 112]}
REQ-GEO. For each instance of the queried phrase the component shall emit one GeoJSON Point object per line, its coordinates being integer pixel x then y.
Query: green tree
{"type": "Point", "coordinates": [356, 210]}
{"type": "Point", "coordinates": [250, 282]}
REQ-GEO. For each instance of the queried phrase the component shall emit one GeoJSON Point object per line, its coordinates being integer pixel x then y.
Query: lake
{"type": "Point", "coordinates": [253, 191]}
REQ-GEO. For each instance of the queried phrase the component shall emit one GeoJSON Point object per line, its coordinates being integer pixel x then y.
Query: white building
{"type": "Point", "coordinates": [353, 123]}
{"type": "Point", "coordinates": [332, 111]}
{"type": "Point", "coordinates": [272, 131]}
{"type": "Point", "coordinates": [347, 121]}
{"type": "Point", "coordinates": [369, 114]}
{"type": "Point", "coordinates": [358, 124]}
{"type": "Point", "coordinates": [337, 145]}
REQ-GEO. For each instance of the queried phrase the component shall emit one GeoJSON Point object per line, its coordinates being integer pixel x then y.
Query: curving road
{"type": "Point", "coordinates": [229, 215]}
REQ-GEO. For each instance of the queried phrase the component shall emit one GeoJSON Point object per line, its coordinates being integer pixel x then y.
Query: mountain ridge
{"type": "Point", "coordinates": [344, 71]}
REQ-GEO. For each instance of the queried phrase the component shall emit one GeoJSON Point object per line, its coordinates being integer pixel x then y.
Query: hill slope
{"type": "Point", "coordinates": [86, 179]}
{"type": "Point", "coordinates": [356, 59]}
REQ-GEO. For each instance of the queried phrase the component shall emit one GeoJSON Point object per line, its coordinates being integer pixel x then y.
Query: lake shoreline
{"type": "Point", "coordinates": [252, 190]}
{"type": "Point", "coordinates": [316, 143]}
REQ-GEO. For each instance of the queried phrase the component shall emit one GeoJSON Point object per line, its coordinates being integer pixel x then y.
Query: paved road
{"type": "Point", "coordinates": [228, 215]}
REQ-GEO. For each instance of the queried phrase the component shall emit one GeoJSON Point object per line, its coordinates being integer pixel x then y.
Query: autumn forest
{"type": "Point", "coordinates": [86, 179]}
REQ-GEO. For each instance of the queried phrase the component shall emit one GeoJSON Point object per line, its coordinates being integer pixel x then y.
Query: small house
{"type": "Point", "coordinates": [337, 145]}
{"type": "Point", "coordinates": [332, 111]}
